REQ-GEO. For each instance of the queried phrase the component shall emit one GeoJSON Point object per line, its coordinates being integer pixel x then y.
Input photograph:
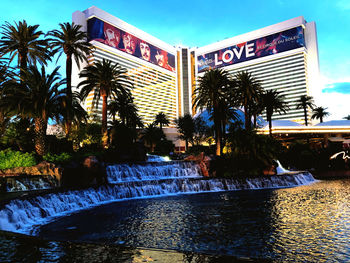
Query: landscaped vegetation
{"type": "Point", "coordinates": [31, 97]}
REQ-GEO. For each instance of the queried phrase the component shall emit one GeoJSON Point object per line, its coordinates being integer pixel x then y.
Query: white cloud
{"type": "Point", "coordinates": [337, 103]}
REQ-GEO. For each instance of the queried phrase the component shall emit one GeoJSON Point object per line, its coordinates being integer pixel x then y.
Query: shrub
{"type": "Point", "coordinates": [57, 158]}
{"type": "Point", "coordinates": [12, 159]}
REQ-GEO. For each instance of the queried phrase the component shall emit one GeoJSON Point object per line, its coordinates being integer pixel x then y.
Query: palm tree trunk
{"type": "Point", "coordinates": [40, 133]}
{"type": "Point", "coordinates": [69, 93]}
{"type": "Point", "coordinates": [104, 122]}
{"type": "Point", "coordinates": [305, 116]}
{"type": "Point", "coordinates": [246, 117]}
{"type": "Point", "coordinates": [269, 119]}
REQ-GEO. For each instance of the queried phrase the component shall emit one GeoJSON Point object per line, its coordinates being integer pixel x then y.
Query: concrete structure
{"type": "Point", "coordinates": [282, 56]}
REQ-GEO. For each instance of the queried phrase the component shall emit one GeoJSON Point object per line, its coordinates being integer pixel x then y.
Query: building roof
{"type": "Point", "coordinates": [335, 123]}
{"type": "Point", "coordinates": [281, 123]}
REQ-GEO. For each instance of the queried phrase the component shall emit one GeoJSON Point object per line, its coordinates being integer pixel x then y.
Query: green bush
{"type": "Point", "coordinates": [12, 159]}
{"type": "Point", "coordinates": [57, 158]}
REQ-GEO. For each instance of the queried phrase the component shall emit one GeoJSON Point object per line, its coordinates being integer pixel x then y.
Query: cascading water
{"type": "Point", "coordinates": [131, 181]}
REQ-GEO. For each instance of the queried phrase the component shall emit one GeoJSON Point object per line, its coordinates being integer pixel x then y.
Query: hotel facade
{"type": "Point", "coordinates": [283, 56]}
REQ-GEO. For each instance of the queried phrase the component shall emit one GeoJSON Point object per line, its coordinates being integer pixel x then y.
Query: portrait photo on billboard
{"type": "Point", "coordinates": [261, 47]}
{"type": "Point", "coordinates": [112, 36]}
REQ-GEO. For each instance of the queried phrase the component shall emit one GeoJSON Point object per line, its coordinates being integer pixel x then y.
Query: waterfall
{"type": "Point", "coordinates": [28, 183]}
{"type": "Point", "coordinates": [130, 182]}
{"type": "Point", "coordinates": [280, 169]}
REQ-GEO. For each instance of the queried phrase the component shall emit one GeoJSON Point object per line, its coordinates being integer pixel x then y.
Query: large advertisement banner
{"type": "Point", "coordinates": [103, 32]}
{"type": "Point", "coordinates": [261, 47]}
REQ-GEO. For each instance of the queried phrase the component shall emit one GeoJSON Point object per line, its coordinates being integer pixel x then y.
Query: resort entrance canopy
{"type": "Point", "coordinates": [337, 130]}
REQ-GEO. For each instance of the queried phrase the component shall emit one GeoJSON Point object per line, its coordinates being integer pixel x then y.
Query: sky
{"type": "Point", "coordinates": [198, 23]}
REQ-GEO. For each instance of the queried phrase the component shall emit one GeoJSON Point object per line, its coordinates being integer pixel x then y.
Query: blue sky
{"type": "Point", "coordinates": [198, 23]}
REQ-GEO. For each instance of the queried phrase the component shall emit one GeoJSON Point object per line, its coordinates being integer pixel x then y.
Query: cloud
{"type": "Point", "coordinates": [338, 87]}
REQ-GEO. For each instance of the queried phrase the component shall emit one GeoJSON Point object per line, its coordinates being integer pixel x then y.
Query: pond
{"type": "Point", "coordinates": [308, 223]}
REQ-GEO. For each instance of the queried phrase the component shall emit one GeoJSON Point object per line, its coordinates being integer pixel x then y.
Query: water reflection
{"type": "Point", "coordinates": [312, 222]}
{"type": "Point", "coordinates": [302, 224]}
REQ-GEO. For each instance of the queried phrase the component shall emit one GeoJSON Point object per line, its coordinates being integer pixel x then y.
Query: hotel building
{"type": "Point", "coordinates": [282, 56]}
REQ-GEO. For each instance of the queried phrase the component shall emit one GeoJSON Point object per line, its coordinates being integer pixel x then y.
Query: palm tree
{"type": "Point", "coordinates": [319, 113]}
{"type": "Point", "coordinates": [161, 119]}
{"type": "Point", "coordinates": [152, 134]}
{"type": "Point", "coordinates": [347, 118]}
{"type": "Point", "coordinates": [273, 101]}
{"type": "Point", "coordinates": [211, 93]}
{"type": "Point", "coordinates": [106, 80]}
{"type": "Point", "coordinates": [71, 41]}
{"type": "Point", "coordinates": [303, 103]}
{"type": "Point", "coordinates": [23, 41]}
{"type": "Point", "coordinates": [76, 112]}
{"type": "Point", "coordinates": [248, 89]}
{"type": "Point", "coordinates": [186, 128]}
{"type": "Point", "coordinates": [38, 98]}
{"type": "Point", "coordinates": [124, 106]}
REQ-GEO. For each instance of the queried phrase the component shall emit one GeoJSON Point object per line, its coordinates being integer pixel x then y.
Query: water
{"type": "Point", "coordinates": [190, 223]}
{"type": "Point", "coordinates": [302, 224]}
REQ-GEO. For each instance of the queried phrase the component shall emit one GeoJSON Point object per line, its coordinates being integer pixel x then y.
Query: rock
{"type": "Point", "coordinates": [203, 161]}
{"type": "Point", "coordinates": [44, 169]}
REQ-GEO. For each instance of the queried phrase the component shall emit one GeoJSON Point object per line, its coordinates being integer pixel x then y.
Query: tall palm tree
{"type": "Point", "coordinates": [38, 97]}
{"type": "Point", "coordinates": [248, 89]}
{"type": "Point", "coordinates": [161, 119]}
{"type": "Point", "coordinates": [186, 128]}
{"type": "Point", "coordinates": [273, 101]}
{"type": "Point", "coordinates": [152, 134]}
{"type": "Point", "coordinates": [106, 80]}
{"type": "Point", "coordinates": [319, 113]}
{"type": "Point", "coordinates": [71, 41]}
{"type": "Point", "coordinates": [124, 106]}
{"type": "Point", "coordinates": [304, 103]}
{"type": "Point", "coordinates": [211, 93]}
{"type": "Point", "coordinates": [24, 41]}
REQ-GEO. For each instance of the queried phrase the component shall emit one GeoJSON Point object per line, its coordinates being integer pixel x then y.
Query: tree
{"type": "Point", "coordinates": [124, 106]}
{"type": "Point", "coordinates": [161, 119]}
{"type": "Point", "coordinates": [186, 128]}
{"type": "Point", "coordinates": [303, 103]}
{"type": "Point", "coordinates": [347, 118]}
{"type": "Point", "coordinates": [38, 97]}
{"type": "Point", "coordinates": [319, 113]}
{"type": "Point", "coordinates": [212, 93]}
{"type": "Point", "coordinates": [273, 101]}
{"type": "Point", "coordinates": [248, 90]}
{"type": "Point", "coordinates": [23, 41]}
{"type": "Point", "coordinates": [71, 41]}
{"type": "Point", "coordinates": [151, 135]}
{"type": "Point", "coordinates": [106, 80]}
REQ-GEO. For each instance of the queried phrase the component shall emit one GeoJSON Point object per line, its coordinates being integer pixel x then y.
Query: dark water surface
{"type": "Point", "coordinates": [301, 224]}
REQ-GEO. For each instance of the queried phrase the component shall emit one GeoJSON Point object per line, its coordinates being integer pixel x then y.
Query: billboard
{"type": "Point", "coordinates": [105, 33]}
{"type": "Point", "coordinates": [257, 48]}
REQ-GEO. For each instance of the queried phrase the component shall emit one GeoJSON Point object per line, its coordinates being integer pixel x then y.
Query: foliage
{"type": "Point", "coordinates": [319, 113]}
{"type": "Point", "coordinates": [86, 136]}
{"type": "Point", "coordinates": [304, 103]}
{"type": "Point", "coordinates": [57, 158]}
{"type": "Point", "coordinates": [121, 136]}
{"type": "Point", "coordinates": [106, 80]}
{"type": "Point", "coordinates": [250, 152]}
{"type": "Point", "coordinates": [19, 135]}
{"type": "Point", "coordinates": [248, 94]}
{"type": "Point", "coordinates": [164, 147]}
{"type": "Point", "coordinates": [12, 159]}
{"type": "Point", "coordinates": [212, 93]}
{"type": "Point", "coordinates": [273, 101]}
{"type": "Point", "coordinates": [24, 42]}
{"type": "Point", "coordinates": [161, 119]}
{"type": "Point", "coordinates": [152, 135]}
